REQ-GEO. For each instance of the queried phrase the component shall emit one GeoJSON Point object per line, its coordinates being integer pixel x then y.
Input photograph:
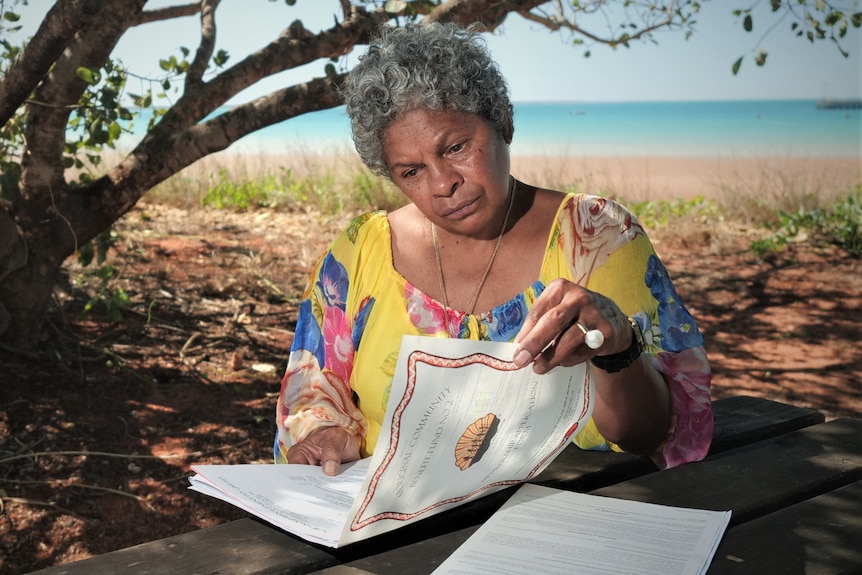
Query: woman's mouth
{"type": "Point", "coordinates": [461, 210]}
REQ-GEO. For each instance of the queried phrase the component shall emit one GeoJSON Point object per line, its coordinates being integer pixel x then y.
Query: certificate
{"type": "Point", "coordinates": [462, 422]}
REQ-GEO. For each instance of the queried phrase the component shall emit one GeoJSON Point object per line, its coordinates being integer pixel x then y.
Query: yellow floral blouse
{"type": "Point", "coordinates": [356, 308]}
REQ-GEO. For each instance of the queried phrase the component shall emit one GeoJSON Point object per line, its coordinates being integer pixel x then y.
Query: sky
{"type": "Point", "coordinates": [543, 66]}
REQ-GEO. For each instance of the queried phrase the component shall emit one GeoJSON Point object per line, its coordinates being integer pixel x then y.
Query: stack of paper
{"type": "Point", "coordinates": [554, 532]}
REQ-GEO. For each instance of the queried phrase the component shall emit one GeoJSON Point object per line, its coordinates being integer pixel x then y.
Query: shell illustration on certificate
{"type": "Point", "coordinates": [475, 440]}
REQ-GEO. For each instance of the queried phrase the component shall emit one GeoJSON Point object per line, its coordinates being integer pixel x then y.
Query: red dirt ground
{"type": "Point", "coordinates": [99, 426]}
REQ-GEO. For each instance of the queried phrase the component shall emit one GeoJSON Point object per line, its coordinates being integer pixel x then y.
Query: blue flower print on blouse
{"type": "Point", "coordinates": [361, 319]}
{"type": "Point", "coordinates": [507, 319]}
{"type": "Point", "coordinates": [308, 334]}
{"type": "Point", "coordinates": [677, 326]}
{"type": "Point", "coordinates": [333, 282]}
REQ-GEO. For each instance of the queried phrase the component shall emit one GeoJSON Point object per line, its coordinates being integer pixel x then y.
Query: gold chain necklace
{"type": "Point", "coordinates": [479, 287]}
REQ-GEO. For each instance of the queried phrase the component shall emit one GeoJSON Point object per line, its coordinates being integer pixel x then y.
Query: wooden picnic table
{"type": "Point", "coordinates": [792, 481]}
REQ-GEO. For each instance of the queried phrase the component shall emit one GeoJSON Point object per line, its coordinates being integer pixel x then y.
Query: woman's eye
{"type": "Point", "coordinates": [458, 147]}
{"type": "Point", "coordinates": [409, 173]}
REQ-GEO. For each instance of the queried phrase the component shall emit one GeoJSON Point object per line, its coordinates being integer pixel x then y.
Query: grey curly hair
{"type": "Point", "coordinates": [434, 66]}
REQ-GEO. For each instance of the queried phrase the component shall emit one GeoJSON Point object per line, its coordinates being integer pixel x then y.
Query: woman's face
{"type": "Point", "coordinates": [454, 167]}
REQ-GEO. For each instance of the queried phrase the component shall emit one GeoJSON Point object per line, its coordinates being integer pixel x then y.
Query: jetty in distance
{"type": "Point", "coordinates": [850, 104]}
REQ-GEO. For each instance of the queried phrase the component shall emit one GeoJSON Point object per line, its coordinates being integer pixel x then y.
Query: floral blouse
{"type": "Point", "coordinates": [357, 307]}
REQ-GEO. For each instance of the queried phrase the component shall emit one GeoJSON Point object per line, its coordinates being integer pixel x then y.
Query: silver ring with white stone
{"type": "Point", "coordinates": [592, 337]}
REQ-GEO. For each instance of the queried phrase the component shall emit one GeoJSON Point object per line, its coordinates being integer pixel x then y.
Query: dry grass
{"type": "Point", "coordinates": [702, 201]}
{"type": "Point", "coordinates": [331, 183]}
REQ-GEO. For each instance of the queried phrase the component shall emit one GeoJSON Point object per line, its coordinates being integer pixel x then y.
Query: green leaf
{"type": "Point", "coordinates": [736, 66]}
{"type": "Point", "coordinates": [114, 131]}
{"type": "Point", "coordinates": [88, 75]}
{"type": "Point", "coordinates": [856, 19]}
{"type": "Point", "coordinates": [143, 101]}
{"type": "Point", "coordinates": [776, 5]}
{"type": "Point", "coordinates": [747, 23]}
{"type": "Point", "coordinates": [11, 17]}
{"type": "Point", "coordinates": [85, 254]}
{"type": "Point", "coordinates": [833, 18]}
{"type": "Point", "coordinates": [221, 58]}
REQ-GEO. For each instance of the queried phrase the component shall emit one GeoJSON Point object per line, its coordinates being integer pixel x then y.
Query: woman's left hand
{"type": "Point", "coordinates": [550, 336]}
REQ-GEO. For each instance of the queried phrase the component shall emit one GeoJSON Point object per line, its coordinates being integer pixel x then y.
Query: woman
{"type": "Point", "coordinates": [477, 254]}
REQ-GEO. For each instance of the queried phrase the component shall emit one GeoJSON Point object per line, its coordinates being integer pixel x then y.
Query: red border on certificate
{"type": "Point", "coordinates": [413, 360]}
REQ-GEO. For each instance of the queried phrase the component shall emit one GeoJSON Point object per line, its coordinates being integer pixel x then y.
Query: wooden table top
{"type": "Point", "coordinates": [792, 481]}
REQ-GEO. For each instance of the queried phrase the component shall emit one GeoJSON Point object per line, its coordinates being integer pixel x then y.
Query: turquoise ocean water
{"type": "Point", "coordinates": [784, 128]}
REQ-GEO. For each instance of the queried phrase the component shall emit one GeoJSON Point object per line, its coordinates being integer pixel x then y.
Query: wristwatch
{"type": "Point", "coordinates": [619, 361]}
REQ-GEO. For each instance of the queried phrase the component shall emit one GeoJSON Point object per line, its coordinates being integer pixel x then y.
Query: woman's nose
{"type": "Point", "coordinates": [445, 179]}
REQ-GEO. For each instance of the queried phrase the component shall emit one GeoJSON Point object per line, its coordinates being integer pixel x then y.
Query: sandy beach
{"type": "Point", "coordinates": [629, 178]}
{"type": "Point", "coordinates": [659, 177]}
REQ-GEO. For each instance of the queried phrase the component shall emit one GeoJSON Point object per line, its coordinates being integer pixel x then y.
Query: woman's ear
{"type": "Point", "coordinates": [508, 132]}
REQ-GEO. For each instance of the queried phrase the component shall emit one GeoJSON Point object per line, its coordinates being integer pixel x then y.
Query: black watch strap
{"type": "Point", "coordinates": [619, 361]}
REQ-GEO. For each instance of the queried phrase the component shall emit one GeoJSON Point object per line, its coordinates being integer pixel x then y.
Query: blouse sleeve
{"type": "Point", "coordinates": [315, 389]}
{"type": "Point", "coordinates": [613, 256]}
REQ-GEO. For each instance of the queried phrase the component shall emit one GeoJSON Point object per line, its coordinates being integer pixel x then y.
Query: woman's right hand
{"type": "Point", "coordinates": [548, 337]}
{"type": "Point", "coordinates": [327, 447]}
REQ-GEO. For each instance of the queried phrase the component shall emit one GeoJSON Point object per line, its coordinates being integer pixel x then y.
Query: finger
{"type": "Point", "coordinates": [330, 456]}
{"type": "Point", "coordinates": [543, 339]}
{"type": "Point", "coordinates": [567, 350]}
{"type": "Point", "coordinates": [303, 453]}
{"type": "Point", "coordinates": [551, 297]}
{"type": "Point", "coordinates": [552, 314]}
{"type": "Point", "coordinates": [567, 338]}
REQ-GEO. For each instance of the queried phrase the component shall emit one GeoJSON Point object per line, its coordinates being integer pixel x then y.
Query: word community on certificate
{"type": "Point", "coordinates": [462, 422]}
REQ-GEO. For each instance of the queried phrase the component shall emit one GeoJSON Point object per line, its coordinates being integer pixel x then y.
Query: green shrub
{"type": "Point", "coordinates": [839, 223]}
{"type": "Point", "coordinates": [243, 194]}
{"type": "Point", "coordinates": [114, 299]}
{"type": "Point", "coordinates": [654, 214]}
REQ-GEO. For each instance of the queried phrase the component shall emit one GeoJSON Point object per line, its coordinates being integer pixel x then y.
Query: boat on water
{"type": "Point", "coordinates": [850, 104]}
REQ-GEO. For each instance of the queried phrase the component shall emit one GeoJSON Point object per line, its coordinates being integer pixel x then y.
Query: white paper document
{"type": "Point", "coordinates": [297, 498]}
{"type": "Point", "coordinates": [462, 422]}
{"type": "Point", "coordinates": [546, 531]}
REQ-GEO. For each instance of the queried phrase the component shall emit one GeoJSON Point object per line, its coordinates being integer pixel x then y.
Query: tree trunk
{"type": "Point", "coordinates": [28, 270]}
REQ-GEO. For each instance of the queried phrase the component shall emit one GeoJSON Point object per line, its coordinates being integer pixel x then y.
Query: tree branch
{"type": "Point", "coordinates": [157, 158]}
{"type": "Point", "coordinates": [345, 8]}
{"type": "Point", "coordinates": [61, 23]}
{"type": "Point", "coordinates": [194, 76]}
{"type": "Point", "coordinates": [294, 47]}
{"type": "Point", "coordinates": [42, 167]}
{"type": "Point", "coordinates": [560, 21]}
{"type": "Point", "coordinates": [489, 14]}
{"type": "Point", "coordinates": [167, 13]}
{"type": "Point", "coordinates": [220, 132]}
